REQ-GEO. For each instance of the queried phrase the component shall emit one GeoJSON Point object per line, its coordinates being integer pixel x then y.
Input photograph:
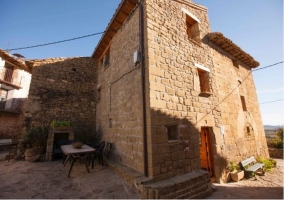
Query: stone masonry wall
{"type": "Point", "coordinates": [10, 125]}
{"type": "Point", "coordinates": [173, 98]}
{"type": "Point", "coordinates": [275, 153]}
{"type": "Point", "coordinates": [62, 89]}
{"type": "Point", "coordinates": [237, 144]}
{"type": "Point", "coordinates": [119, 111]}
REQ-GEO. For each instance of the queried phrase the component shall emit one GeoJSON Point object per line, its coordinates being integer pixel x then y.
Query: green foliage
{"type": "Point", "coordinates": [277, 141]}
{"type": "Point", "coordinates": [36, 137]}
{"type": "Point", "coordinates": [60, 124]}
{"type": "Point", "coordinates": [279, 133]}
{"type": "Point", "coordinates": [233, 166]}
{"type": "Point", "coordinates": [268, 163]}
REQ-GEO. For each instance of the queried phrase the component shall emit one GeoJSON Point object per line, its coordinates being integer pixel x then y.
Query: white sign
{"type": "Point", "coordinates": [222, 130]}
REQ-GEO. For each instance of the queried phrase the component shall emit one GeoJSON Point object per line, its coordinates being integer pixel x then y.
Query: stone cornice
{"type": "Point", "coordinates": [227, 45]}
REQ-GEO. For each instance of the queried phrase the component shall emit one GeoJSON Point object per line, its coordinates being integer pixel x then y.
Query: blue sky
{"type": "Point", "coordinates": [254, 25]}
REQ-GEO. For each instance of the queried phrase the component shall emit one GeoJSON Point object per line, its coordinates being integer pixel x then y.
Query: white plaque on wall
{"type": "Point", "coordinates": [222, 130]}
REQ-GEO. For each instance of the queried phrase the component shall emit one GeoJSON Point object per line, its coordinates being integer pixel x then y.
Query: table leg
{"type": "Point", "coordinates": [66, 160]}
{"type": "Point", "coordinates": [72, 163]}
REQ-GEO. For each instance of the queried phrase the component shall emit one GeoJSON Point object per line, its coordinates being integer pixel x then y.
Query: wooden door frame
{"type": "Point", "coordinates": [209, 148]}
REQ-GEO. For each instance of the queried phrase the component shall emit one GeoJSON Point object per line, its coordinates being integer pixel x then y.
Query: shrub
{"type": "Point", "coordinates": [277, 141]}
{"type": "Point", "coordinates": [233, 166]}
{"type": "Point", "coordinates": [268, 163]}
{"type": "Point", "coordinates": [60, 124]}
{"type": "Point", "coordinates": [36, 137]}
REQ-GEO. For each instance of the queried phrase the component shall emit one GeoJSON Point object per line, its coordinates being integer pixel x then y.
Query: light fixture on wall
{"type": "Point", "coordinates": [136, 57]}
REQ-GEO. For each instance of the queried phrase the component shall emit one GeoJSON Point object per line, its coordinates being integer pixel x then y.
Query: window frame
{"type": "Point", "coordinates": [243, 101]}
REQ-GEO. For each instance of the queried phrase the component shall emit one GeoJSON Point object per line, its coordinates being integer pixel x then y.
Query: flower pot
{"type": "Point", "coordinates": [237, 175]}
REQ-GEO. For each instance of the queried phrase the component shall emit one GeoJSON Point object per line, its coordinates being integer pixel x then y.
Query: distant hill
{"type": "Point", "coordinates": [272, 127]}
{"type": "Point", "coordinates": [270, 131]}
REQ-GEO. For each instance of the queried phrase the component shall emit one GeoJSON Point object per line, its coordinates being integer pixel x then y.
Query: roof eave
{"type": "Point", "coordinates": [111, 27]}
{"type": "Point", "coordinates": [227, 45]}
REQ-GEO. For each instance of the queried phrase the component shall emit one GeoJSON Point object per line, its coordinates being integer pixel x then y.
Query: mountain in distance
{"type": "Point", "coordinates": [272, 127]}
{"type": "Point", "coordinates": [270, 131]}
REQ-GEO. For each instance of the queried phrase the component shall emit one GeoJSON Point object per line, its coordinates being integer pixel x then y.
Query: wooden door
{"type": "Point", "coordinates": [205, 151]}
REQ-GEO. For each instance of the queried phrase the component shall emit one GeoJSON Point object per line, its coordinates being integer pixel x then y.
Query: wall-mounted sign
{"type": "Point", "coordinates": [222, 130]}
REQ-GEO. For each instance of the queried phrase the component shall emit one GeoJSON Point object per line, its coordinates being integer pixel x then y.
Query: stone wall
{"type": "Point", "coordinates": [119, 111]}
{"type": "Point", "coordinates": [237, 143]}
{"type": "Point", "coordinates": [10, 125]}
{"type": "Point", "coordinates": [62, 89]}
{"type": "Point", "coordinates": [173, 98]}
{"type": "Point", "coordinates": [275, 153]}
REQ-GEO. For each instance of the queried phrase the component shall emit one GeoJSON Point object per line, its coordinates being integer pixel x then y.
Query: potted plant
{"type": "Point", "coordinates": [60, 124]}
{"type": "Point", "coordinates": [235, 172]}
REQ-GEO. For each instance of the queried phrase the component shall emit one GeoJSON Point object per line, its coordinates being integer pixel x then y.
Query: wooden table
{"type": "Point", "coordinates": [11, 143]}
{"type": "Point", "coordinates": [75, 154]}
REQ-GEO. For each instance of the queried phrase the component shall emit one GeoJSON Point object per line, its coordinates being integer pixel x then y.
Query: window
{"type": "Point", "coordinates": [243, 103]}
{"type": "Point", "coordinates": [192, 26]}
{"type": "Point", "coordinates": [106, 59]}
{"type": "Point", "coordinates": [9, 69]}
{"type": "Point", "coordinates": [203, 80]}
{"type": "Point", "coordinates": [99, 88]}
{"type": "Point", "coordinates": [202, 84]}
{"type": "Point", "coordinates": [248, 130]}
{"type": "Point", "coordinates": [235, 63]}
{"type": "Point", "coordinates": [172, 132]}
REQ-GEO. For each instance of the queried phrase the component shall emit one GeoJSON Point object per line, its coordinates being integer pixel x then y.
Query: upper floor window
{"type": "Point", "coordinates": [106, 59]}
{"type": "Point", "coordinates": [202, 84]}
{"type": "Point", "coordinates": [243, 103]}
{"type": "Point", "coordinates": [192, 26]}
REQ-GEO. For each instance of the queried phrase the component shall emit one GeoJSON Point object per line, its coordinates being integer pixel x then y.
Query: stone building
{"type": "Point", "coordinates": [176, 101]}
{"type": "Point", "coordinates": [174, 97]}
{"type": "Point", "coordinates": [15, 79]}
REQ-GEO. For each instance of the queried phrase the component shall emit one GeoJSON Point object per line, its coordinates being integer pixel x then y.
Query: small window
{"type": "Point", "coordinates": [235, 63]}
{"type": "Point", "coordinates": [203, 80]}
{"type": "Point", "coordinates": [243, 103]}
{"type": "Point", "coordinates": [248, 130]}
{"type": "Point", "coordinates": [172, 132]}
{"type": "Point", "coordinates": [106, 59]}
{"type": "Point", "coordinates": [99, 88]}
{"type": "Point", "coordinates": [192, 29]}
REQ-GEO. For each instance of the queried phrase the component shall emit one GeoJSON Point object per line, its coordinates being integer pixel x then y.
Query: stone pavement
{"type": "Point", "coordinates": [269, 186]}
{"type": "Point", "coordinates": [48, 180]}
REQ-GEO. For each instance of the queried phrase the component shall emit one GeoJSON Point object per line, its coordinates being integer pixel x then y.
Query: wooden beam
{"type": "Point", "coordinates": [104, 52]}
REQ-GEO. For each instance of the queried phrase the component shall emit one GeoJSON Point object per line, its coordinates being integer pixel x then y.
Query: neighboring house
{"type": "Point", "coordinates": [15, 79]}
{"type": "Point", "coordinates": [177, 101]}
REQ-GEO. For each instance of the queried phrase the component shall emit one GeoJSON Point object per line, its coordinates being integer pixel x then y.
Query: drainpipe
{"type": "Point", "coordinates": [142, 56]}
